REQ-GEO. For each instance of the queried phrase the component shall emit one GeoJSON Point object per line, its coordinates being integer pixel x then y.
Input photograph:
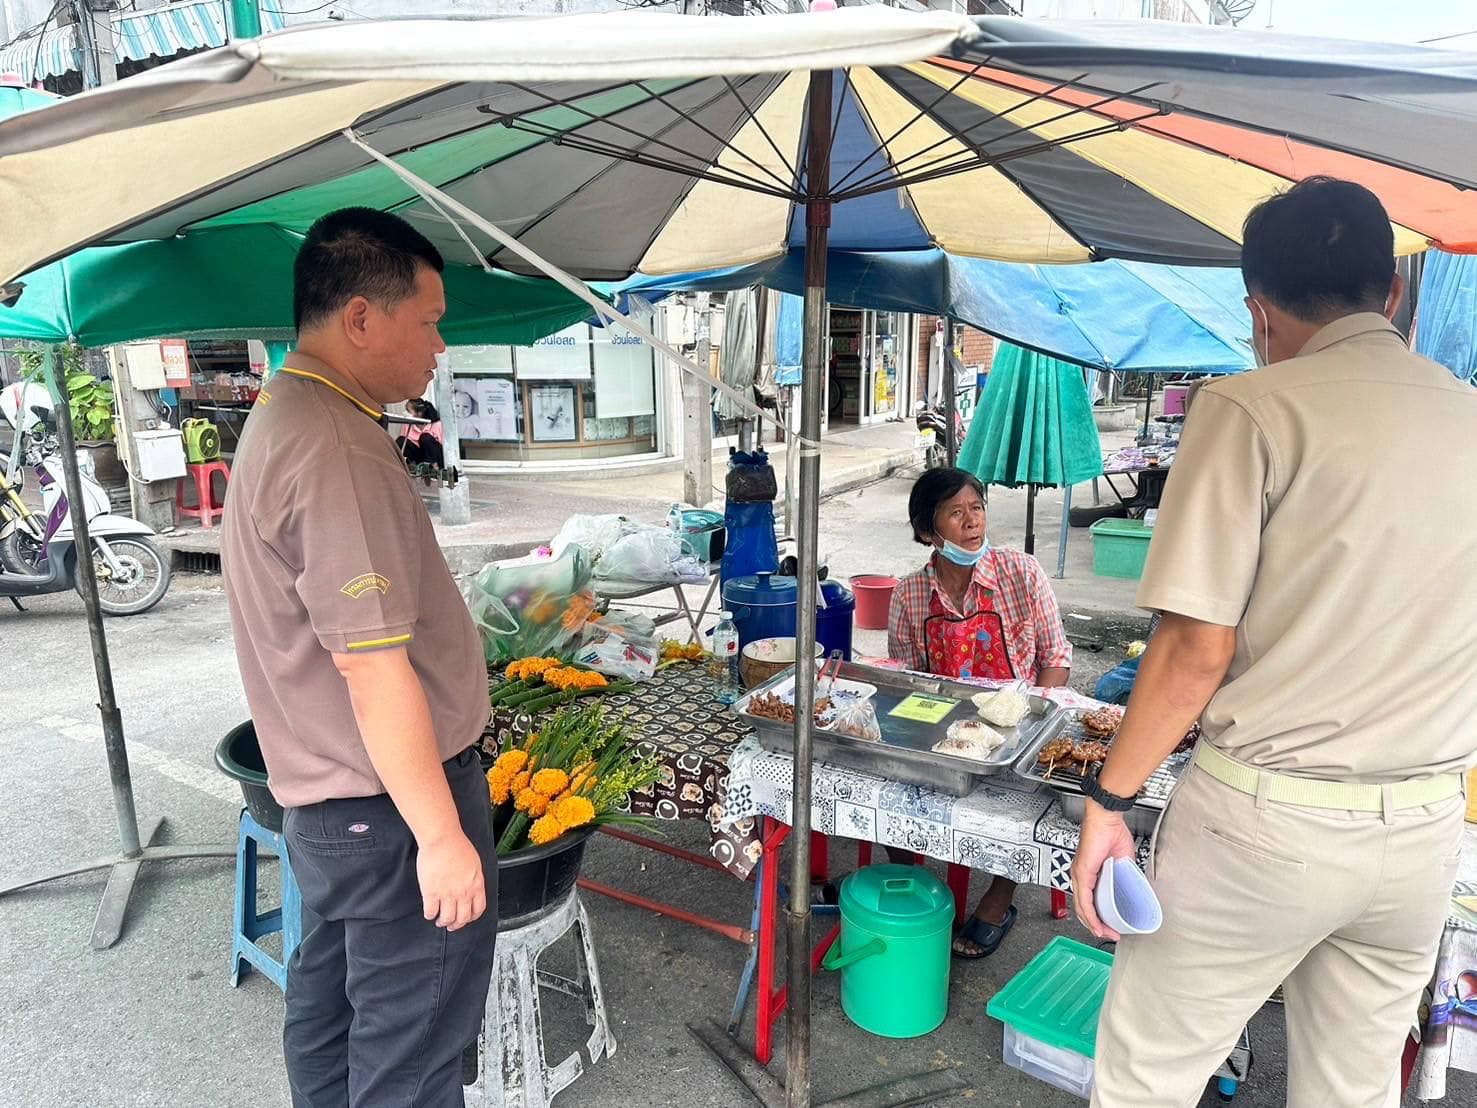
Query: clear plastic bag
{"type": "Point", "coordinates": [531, 607]}
{"type": "Point", "coordinates": [618, 653]}
{"type": "Point", "coordinates": [652, 555]}
{"type": "Point", "coordinates": [596, 534]}
{"type": "Point", "coordinates": [857, 718]}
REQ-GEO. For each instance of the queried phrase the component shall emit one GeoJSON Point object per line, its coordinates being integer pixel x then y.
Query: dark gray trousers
{"type": "Point", "coordinates": [380, 1001]}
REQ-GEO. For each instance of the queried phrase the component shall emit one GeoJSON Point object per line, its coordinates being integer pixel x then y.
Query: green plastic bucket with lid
{"type": "Point", "coordinates": [893, 951]}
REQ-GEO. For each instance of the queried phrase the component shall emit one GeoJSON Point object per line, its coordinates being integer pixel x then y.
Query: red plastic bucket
{"type": "Point", "coordinates": [873, 598]}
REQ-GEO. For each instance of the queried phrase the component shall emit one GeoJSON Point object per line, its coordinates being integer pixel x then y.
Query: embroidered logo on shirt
{"type": "Point", "coordinates": [366, 582]}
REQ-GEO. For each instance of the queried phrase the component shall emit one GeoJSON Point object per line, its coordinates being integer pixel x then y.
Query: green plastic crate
{"type": "Point", "coordinates": [1050, 1011]}
{"type": "Point", "coordinates": [1119, 547]}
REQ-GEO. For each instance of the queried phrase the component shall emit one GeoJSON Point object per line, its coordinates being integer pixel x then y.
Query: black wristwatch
{"type": "Point", "coordinates": [1111, 801]}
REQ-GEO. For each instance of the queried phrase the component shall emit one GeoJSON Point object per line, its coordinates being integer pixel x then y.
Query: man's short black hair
{"type": "Point", "coordinates": [357, 252]}
{"type": "Point", "coordinates": [934, 488]}
{"type": "Point", "coordinates": [1320, 250]}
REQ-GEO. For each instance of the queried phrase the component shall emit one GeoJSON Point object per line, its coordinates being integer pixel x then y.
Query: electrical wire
{"type": "Point", "coordinates": [1445, 38]}
{"type": "Point", "coordinates": [302, 11]}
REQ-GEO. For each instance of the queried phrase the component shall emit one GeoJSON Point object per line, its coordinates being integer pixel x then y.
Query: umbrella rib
{"type": "Point", "coordinates": [991, 162]}
{"type": "Point", "coordinates": [885, 143]}
{"type": "Point", "coordinates": [617, 153]}
{"type": "Point", "coordinates": [727, 143]}
{"type": "Point", "coordinates": [952, 134]}
{"type": "Point", "coordinates": [836, 122]}
{"type": "Point", "coordinates": [797, 192]}
{"type": "Point", "coordinates": [959, 136]}
{"type": "Point", "coordinates": [566, 103]}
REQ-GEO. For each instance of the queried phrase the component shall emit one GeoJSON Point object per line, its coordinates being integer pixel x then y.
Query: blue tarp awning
{"type": "Point", "coordinates": [1446, 312]}
{"type": "Point", "coordinates": [1128, 316]}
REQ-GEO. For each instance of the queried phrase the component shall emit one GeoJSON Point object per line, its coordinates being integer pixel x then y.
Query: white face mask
{"type": "Point", "coordinates": [1259, 353]}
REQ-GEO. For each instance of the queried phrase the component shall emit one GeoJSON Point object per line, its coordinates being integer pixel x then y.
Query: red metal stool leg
{"type": "Point", "coordinates": [771, 835]}
{"type": "Point", "coordinates": [1058, 904]}
{"type": "Point", "coordinates": [863, 854]}
{"type": "Point", "coordinates": [820, 857]}
{"type": "Point", "coordinates": [958, 879]}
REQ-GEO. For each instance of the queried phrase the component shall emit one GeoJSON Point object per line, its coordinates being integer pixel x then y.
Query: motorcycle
{"type": "Point", "coordinates": [38, 553]}
{"type": "Point", "coordinates": [932, 430]}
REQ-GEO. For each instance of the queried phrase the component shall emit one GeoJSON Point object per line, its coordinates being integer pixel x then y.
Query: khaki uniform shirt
{"type": "Point", "coordinates": [327, 549]}
{"type": "Point", "coordinates": [1326, 507]}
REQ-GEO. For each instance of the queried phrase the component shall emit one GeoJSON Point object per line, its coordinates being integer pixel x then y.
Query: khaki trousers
{"type": "Point", "coordinates": [1344, 909]}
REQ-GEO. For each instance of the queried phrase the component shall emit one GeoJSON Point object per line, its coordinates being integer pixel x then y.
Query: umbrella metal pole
{"type": "Point", "coordinates": [951, 401]}
{"type": "Point", "coordinates": [124, 867]}
{"type": "Point", "coordinates": [1030, 518]}
{"type": "Point", "coordinates": [797, 912]}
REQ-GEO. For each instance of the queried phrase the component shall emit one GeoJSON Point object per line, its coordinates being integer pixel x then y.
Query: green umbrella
{"type": "Point", "coordinates": [236, 282]}
{"type": "Point", "coordinates": [1034, 427]}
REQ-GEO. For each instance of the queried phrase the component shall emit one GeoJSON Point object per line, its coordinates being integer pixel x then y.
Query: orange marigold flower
{"type": "Point", "coordinates": [550, 782]}
{"type": "Point", "coordinates": [575, 811]}
{"type": "Point", "coordinates": [499, 785]}
{"type": "Point", "coordinates": [512, 761]}
{"type": "Point", "coordinates": [534, 803]}
{"type": "Point", "coordinates": [544, 830]}
{"type": "Point", "coordinates": [520, 781]}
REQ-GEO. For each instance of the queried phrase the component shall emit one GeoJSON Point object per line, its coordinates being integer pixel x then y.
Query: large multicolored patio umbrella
{"type": "Point", "coordinates": [602, 145]}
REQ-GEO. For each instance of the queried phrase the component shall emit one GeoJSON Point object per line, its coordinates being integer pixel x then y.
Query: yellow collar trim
{"type": "Point", "coordinates": [363, 407]}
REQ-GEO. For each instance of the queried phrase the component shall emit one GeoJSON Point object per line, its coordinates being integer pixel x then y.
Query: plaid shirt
{"type": "Point", "coordinates": [1034, 636]}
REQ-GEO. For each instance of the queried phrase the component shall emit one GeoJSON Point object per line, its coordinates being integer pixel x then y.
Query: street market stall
{"type": "Point", "coordinates": [1144, 141]}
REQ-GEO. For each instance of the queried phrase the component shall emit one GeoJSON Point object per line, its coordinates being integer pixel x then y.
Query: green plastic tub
{"type": "Point", "coordinates": [893, 951]}
{"type": "Point", "coordinates": [1119, 547]}
{"type": "Point", "coordinates": [1050, 1011]}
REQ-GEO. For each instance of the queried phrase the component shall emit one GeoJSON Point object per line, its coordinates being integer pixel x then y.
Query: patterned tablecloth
{"type": "Point", "coordinates": [714, 770]}
{"type": "Point", "coordinates": [1449, 1009]}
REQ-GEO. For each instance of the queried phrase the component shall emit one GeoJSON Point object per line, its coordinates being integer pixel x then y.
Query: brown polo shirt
{"type": "Point", "coordinates": [1326, 507]}
{"type": "Point", "coordinates": [327, 549]}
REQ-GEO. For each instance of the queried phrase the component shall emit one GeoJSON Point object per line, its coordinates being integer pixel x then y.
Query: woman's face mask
{"type": "Point", "coordinates": [958, 525]}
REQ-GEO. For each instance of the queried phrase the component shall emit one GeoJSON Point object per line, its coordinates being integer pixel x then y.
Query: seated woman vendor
{"type": "Point", "coordinates": [979, 611]}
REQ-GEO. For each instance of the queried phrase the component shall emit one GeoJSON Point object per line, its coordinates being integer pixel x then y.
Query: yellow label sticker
{"type": "Point", "coordinates": [364, 583]}
{"type": "Point", "coordinates": [924, 708]}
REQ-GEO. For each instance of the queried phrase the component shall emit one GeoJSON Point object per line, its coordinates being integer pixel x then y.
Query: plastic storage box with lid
{"type": "Point", "coordinates": [1050, 1011]}
{"type": "Point", "coordinates": [1119, 547]}
{"type": "Point", "coordinates": [893, 951]}
{"type": "Point", "coordinates": [763, 607]}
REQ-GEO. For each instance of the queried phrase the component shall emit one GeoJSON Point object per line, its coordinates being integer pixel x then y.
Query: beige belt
{"type": "Point", "coordinates": [1347, 796]}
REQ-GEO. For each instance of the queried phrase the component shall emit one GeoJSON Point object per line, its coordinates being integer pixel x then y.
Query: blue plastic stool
{"type": "Point", "coordinates": [249, 925]}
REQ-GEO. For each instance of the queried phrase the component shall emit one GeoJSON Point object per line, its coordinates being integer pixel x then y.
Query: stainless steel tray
{"type": "Point", "coordinates": [903, 754]}
{"type": "Point", "coordinates": [1068, 723]}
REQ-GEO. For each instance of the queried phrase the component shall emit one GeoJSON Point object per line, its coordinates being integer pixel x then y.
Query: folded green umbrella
{"type": "Point", "coordinates": [1033, 427]}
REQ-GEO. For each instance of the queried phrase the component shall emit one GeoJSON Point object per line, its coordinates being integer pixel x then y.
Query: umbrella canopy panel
{"type": "Point", "coordinates": [670, 154]}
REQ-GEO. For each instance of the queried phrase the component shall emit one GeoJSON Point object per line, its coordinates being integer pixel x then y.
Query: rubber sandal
{"type": "Point", "coordinates": [983, 934]}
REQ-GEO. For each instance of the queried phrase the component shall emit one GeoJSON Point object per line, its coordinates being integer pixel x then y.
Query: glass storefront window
{"type": "Point", "coordinates": [584, 392]}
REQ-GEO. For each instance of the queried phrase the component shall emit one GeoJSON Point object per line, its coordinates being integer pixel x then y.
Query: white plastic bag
{"type": "Point", "coordinates": [652, 555]}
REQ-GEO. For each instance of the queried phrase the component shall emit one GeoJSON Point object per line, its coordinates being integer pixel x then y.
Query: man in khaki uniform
{"type": "Point", "coordinates": [366, 682]}
{"type": "Point", "coordinates": [1312, 561]}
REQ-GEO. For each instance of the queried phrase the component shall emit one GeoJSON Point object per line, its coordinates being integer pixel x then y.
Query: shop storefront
{"type": "Point", "coordinates": [868, 380]}
{"type": "Point", "coordinates": [584, 393]}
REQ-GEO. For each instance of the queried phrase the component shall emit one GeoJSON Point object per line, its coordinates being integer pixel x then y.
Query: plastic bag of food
{"type": "Point", "coordinates": [620, 644]}
{"type": "Point", "coordinates": [857, 718]}
{"type": "Point", "coordinates": [531, 607]}
{"type": "Point", "coordinates": [1004, 707]}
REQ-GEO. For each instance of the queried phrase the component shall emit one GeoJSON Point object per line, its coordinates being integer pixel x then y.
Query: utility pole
{"type": "Point", "coordinates": [95, 38]}
{"type": "Point", "coordinates": [697, 415]}
{"type": "Point", "coordinates": [246, 19]}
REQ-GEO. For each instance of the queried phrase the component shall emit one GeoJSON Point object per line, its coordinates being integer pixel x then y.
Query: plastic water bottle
{"type": "Point", "coordinates": [724, 667]}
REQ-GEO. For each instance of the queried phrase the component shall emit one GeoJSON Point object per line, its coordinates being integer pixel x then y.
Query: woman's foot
{"type": "Point", "coordinates": [993, 918]}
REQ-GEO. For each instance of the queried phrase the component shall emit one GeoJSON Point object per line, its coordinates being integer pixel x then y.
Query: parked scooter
{"type": "Point", "coordinates": [132, 572]}
{"type": "Point", "coordinates": [931, 434]}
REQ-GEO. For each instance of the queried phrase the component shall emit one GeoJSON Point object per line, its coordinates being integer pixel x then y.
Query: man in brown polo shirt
{"type": "Point", "coordinates": [1312, 562]}
{"type": "Point", "coordinates": [366, 682]}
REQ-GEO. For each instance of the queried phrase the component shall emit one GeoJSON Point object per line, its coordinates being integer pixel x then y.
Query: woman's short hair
{"type": "Point", "coordinates": [930, 491]}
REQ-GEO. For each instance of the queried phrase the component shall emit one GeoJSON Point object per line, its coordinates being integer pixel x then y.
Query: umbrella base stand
{"type": "Point", "coordinates": [769, 1091]}
{"type": "Point", "coordinates": [124, 871]}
